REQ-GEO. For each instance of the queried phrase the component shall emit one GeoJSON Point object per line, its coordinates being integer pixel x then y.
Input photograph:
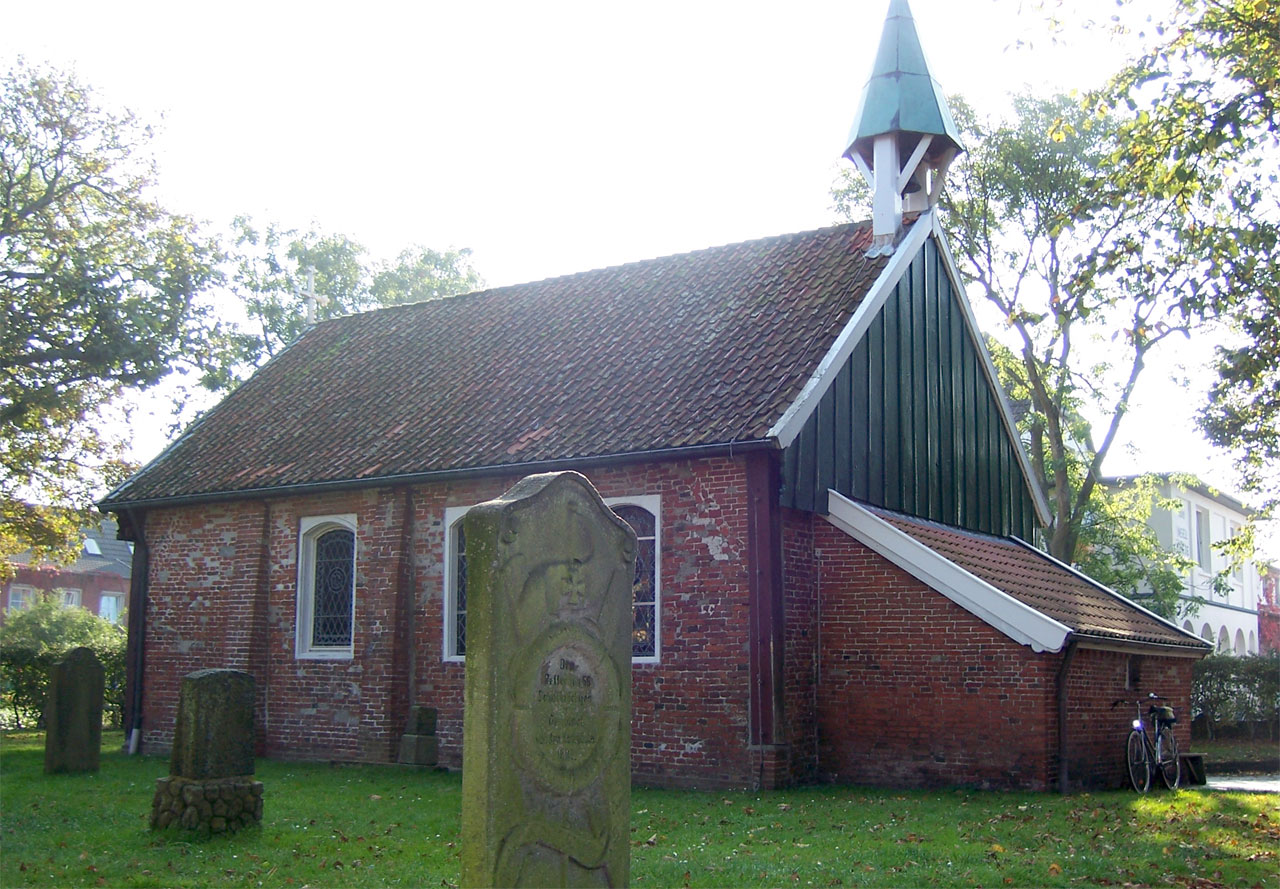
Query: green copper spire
{"type": "Point", "coordinates": [901, 96]}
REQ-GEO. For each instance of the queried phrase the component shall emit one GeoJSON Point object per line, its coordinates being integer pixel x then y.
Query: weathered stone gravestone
{"type": "Point", "coordinates": [546, 769]}
{"type": "Point", "coordinates": [209, 786]}
{"type": "Point", "coordinates": [73, 713]}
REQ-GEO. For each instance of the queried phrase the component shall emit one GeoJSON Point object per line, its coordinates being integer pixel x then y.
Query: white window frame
{"type": "Point", "coordinates": [453, 514]}
{"type": "Point", "coordinates": [1204, 539]}
{"type": "Point", "coordinates": [69, 596]}
{"type": "Point", "coordinates": [28, 594]}
{"type": "Point", "coordinates": [119, 606]}
{"type": "Point", "coordinates": [310, 529]}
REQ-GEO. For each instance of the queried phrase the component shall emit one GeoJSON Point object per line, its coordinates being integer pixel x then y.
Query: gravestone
{"type": "Point", "coordinates": [210, 786]}
{"type": "Point", "coordinates": [73, 713]}
{"type": "Point", "coordinates": [546, 769]}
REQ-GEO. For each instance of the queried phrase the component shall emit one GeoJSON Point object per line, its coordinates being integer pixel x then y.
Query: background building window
{"type": "Point", "coordinates": [109, 606]}
{"type": "Point", "coordinates": [643, 514]}
{"type": "Point", "coordinates": [1204, 551]}
{"type": "Point", "coordinates": [22, 597]}
{"type": "Point", "coordinates": [70, 597]}
{"type": "Point", "coordinates": [326, 586]}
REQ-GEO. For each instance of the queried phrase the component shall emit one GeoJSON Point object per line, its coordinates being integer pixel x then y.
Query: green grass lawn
{"type": "Point", "coordinates": [385, 826]}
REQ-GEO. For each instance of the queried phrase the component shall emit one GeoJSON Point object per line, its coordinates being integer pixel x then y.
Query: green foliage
{"type": "Point", "coordinates": [98, 284]}
{"type": "Point", "coordinates": [31, 641]}
{"type": "Point", "coordinates": [268, 274]}
{"type": "Point", "coordinates": [420, 274]}
{"type": "Point", "coordinates": [1227, 689]}
{"type": "Point", "coordinates": [366, 825]}
{"type": "Point", "coordinates": [1203, 127]}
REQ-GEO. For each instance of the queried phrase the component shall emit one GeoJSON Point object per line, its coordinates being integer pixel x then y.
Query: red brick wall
{"type": "Point", "coordinates": [48, 579]}
{"type": "Point", "coordinates": [689, 711]}
{"type": "Point", "coordinates": [1096, 731]}
{"type": "Point", "coordinates": [915, 691]}
{"type": "Point", "coordinates": [800, 585]}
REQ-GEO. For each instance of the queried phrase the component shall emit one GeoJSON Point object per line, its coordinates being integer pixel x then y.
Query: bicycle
{"type": "Point", "coordinates": [1142, 754]}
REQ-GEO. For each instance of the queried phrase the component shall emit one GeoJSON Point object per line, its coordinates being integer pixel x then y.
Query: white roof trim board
{"type": "Point", "coordinates": [795, 416]}
{"type": "Point", "coordinates": [928, 225]}
{"type": "Point", "coordinates": [1017, 620]}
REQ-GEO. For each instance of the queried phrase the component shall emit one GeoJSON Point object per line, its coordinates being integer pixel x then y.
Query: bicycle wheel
{"type": "Point", "coordinates": [1170, 766]}
{"type": "Point", "coordinates": [1139, 765]}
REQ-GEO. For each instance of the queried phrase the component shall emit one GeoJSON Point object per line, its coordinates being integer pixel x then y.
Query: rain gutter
{"type": "Point", "coordinates": [731, 449]}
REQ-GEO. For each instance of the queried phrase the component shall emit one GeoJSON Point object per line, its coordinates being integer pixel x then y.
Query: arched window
{"type": "Point", "coordinates": [1240, 649]}
{"type": "Point", "coordinates": [1253, 643]}
{"type": "Point", "coordinates": [1224, 641]}
{"type": "Point", "coordinates": [1186, 625]}
{"type": "Point", "coordinates": [643, 514]}
{"type": "Point", "coordinates": [644, 586]}
{"type": "Point", "coordinates": [1206, 633]}
{"type": "Point", "coordinates": [326, 586]}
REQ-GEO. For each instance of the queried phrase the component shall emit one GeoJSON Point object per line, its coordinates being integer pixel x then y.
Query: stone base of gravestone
{"type": "Point", "coordinates": [73, 714]}
{"type": "Point", "coordinates": [210, 806]}
{"type": "Point", "coordinates": [418, 745]}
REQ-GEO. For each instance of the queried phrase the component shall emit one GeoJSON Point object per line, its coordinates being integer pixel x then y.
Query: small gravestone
{"type": "Point", "coordinates": [73, 713]}
{"type": "Point", "coordinates": [210, 786]}
{"type": "Point", "coordinates": [419, 745]}
{"type": "Point", "coordinates": [546, 774]}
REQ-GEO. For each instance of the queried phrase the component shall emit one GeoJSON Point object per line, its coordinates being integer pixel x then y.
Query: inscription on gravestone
{"type": "Point", "coordinates": [546, 763]}
{"type": "Point", "coordinates": [73, 713]}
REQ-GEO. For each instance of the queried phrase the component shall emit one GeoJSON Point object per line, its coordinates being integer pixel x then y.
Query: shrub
{"type": "Point", "coordinates": [1229, 689]}
{"type": "Point", "coordinates": [31, 641]}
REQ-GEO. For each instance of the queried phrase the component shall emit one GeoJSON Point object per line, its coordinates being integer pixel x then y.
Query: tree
{"type": "Point", "coordinates": [420, 273]}
{"type": "Point", "coordinates": [1205, 123]}
{"type": "Point", "coordinates": [32, 640]}
{"type": "Point", "coordinates": [268, 274]}
{"type": "Point", "coordinates": [99, 285]}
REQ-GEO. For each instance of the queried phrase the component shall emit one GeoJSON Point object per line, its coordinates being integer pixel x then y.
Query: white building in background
{"type": "Point", "coordinates": [1227, 616]}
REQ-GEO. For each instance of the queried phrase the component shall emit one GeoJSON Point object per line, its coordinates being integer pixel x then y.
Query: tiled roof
{"type": "Point", "coordinates": [1044, 584]}
{"type": "Point", "coordinates": [112, 556]}
{"type": "Point", "coordinates": [699, 349]}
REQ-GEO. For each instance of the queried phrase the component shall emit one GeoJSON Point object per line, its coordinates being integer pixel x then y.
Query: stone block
{"type": "Point", "coordinates": [73, 714]}
{"type": "Point", "coordinates": [422, 721]}
{"type": "Point", "coordinates": [418, 750]}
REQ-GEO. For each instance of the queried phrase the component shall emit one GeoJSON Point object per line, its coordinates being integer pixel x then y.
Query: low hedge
{"type": "Point", "coordinates": [1227, 690]}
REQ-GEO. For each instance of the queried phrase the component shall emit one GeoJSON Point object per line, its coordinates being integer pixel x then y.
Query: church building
{"type": "Point", "coordinates": [838, 576]}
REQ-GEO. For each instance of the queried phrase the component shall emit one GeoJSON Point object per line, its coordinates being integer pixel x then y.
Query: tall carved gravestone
{"type": "Point", "coordinates": [546, 769]}
{"type": "Point", "coordinates": [73, 713]}
{"type": "Point", "coordinates": [210, 786]}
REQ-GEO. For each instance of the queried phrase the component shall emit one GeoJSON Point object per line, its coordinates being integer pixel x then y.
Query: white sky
{"type": "Point", "coordinates": [553, 137]}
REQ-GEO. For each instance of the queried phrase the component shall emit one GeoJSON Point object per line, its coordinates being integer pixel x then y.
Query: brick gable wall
{"type": "Point", "coordinates": [218, 598]}
{"type": "Point", "coordinates": [915, 691]}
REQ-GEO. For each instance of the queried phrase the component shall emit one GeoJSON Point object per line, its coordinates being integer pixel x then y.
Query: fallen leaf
{"type": "Point", "coordinates": [997, 848]}
{"type": "Point", "coordinates": [374, 796]}
{"type": "Point", "coordinates": [1055, 869]}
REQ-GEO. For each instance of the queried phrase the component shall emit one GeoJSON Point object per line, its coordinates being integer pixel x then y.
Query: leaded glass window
{"type": "Point", "coordinates": [644, 600]}
{"type": "Point", "coordinates": [334, 583]}
{"type": "Point", "coordinates": [460, 591]}
{"type": "Point", "coordinates": [326, 587]}
{"type": "Point", "coordinates": [641, 513]}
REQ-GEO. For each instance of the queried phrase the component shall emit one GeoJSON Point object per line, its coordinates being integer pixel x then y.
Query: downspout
{"type": "Point", "coordinates": [1063, 669]}
{"type": "Point", "coordinates": [136, 645]}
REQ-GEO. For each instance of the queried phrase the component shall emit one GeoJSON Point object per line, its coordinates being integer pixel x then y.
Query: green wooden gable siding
{"type": "Point", "coordinates": [910, 423]}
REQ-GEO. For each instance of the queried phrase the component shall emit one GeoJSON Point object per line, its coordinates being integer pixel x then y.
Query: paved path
{"type": "Point", "coordinates": [1250, 783]}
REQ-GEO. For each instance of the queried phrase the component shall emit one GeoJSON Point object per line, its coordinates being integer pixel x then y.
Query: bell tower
{"type": "Point", "coordinates": [903, 138]}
